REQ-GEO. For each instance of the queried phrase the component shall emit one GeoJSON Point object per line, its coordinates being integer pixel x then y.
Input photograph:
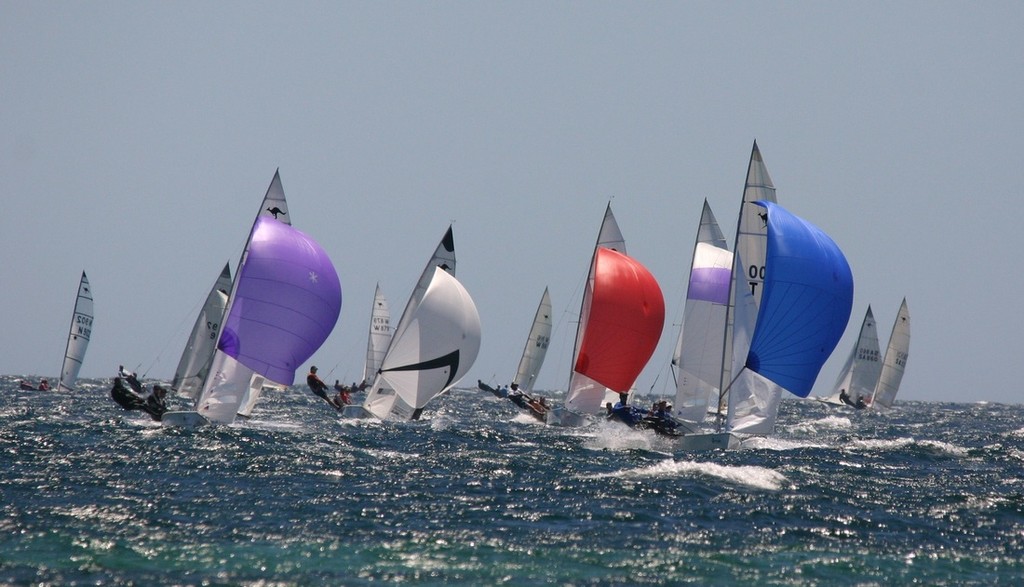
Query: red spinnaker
{"type": "Point", "coordinates": [627, 314]}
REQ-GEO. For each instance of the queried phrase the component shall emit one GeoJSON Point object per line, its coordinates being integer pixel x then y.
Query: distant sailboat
{"type": "Point", "coordinates": [621, 318]}
{"type": "Point", "coordinates": [697, 360]}
{"type": "Point", "coordinates": [895, 362]}
{"type": "Point", "coordinates": [284, 302]}
{"type": "Point", "coordinates": [863, 367]}
{"type": "Point", "coordinates": [534, 351]}
{"type": "Point", "coordinates": [435, 343]}
{"type": "Point", "coordinates": [202, 342]}
{"type": "Point", "coordinates": [78, 336]}
{"type": "Point", "coordinates": [379, 336]}
{"type": "Point", "coordinates": [536, 348]}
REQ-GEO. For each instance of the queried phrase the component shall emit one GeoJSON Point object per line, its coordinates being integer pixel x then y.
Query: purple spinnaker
{"type": "Point", "coordinates": [709, 284]}
{"type": "Point", "coordinates": [286, 303]}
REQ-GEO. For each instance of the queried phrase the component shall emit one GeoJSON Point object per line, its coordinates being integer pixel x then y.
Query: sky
{"type": "Point", "coordinates": [137, 140]}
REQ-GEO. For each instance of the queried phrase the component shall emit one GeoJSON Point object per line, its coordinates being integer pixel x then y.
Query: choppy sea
{"type": "Point", "coordinates": [478, 493]}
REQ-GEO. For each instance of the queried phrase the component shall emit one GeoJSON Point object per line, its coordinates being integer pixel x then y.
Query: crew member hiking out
{"type": "Point", "coordinates": [318, 387]}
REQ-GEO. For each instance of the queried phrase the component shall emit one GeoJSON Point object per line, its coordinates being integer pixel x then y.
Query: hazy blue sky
{"type": "Point", "coordinates": [137, 140]}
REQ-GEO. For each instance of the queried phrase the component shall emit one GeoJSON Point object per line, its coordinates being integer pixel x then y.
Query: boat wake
{"type": "Point", "coordinates": [746, 475]}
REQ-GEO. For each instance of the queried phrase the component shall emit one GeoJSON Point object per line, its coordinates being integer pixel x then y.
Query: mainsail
{"type": "Point", "coordinates": [536, 346]}
{"type": "Point", "coordinates": [805, 307]}
{"type": "Point", "coordinates": [379, 336]}
{"type": "Point", "coordinates": [621, 318]}
{"type": "Point", "coordinates": [697, 360]}
{"type": "Point", "coordinates": [895, 361]}
{"type": "Point", "coordinates": [750, 249]}
{"type": "Point", "coordinates": [78, 336]}
{"type": "Point", "coordinates": [195, 360]}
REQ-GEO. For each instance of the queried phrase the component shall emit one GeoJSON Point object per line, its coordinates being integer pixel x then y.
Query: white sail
{"type": "Point", "coordinates": [751, 245]}
{"type": "Point", "coordinates": [895, 361]}
{"type": "Point", "coordinates": [443, 257]}
{"type": "Point", "coordinates": [753, 400]}
{"type": "Point", "coordinates": [380, 335]}
{"type": "Point", "coordinates": [585, 395]}
{"type": "Point", "coordinates": [252, 394]}
{"type": "Point", "coordinates": [863, 367]}
{"type": "Point", "coordinates": [78, 336]}
{"type": "Point", "coordinates": [697, 361]}
{"type": "Point", "coordinates": [202, 342]}
{"type": "Point", "coordinates": [536, 346]}
{"type": "Point", "coordinates": [430, 353]}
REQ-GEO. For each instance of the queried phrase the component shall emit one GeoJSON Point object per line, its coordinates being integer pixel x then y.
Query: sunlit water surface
{"type": "Point", "coordinates": [478, 494]}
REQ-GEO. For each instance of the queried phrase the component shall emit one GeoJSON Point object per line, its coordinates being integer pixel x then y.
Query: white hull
{"type": "Point", "coordinates": [183, 420]}
{"type": "Point", "coordinates": [358, 412]}
{"type": "Point", "coordinates": [709, 441]}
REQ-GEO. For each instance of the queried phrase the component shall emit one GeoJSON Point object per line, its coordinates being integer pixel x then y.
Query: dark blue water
{"type": "Point", "coordinates": [478, 494]}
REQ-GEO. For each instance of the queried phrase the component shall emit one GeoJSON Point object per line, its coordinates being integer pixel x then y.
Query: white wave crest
{"type": "Point", "coordinates": [747, 475]}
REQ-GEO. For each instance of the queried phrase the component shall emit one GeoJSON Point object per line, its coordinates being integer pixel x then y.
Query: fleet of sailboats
{"type": "Point", "coordinates": [868, 378]}
{"type": "Point", "coordinates": [758, 321]}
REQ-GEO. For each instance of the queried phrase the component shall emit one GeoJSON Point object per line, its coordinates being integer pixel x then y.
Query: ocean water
{"type": "Point", "coordinates": [478, 493]}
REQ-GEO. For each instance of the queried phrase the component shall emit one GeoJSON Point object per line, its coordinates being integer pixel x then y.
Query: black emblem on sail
{"type": "Point", "coordinates": [275, 211]}
{"type": "Point", "coordinates": [764, 218]}
{"type": "Point", "coordinates": [451, 360]}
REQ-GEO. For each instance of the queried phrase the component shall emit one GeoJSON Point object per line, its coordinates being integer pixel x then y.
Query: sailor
{"type": "Point", "coordinates": [44, 385]}
{"type": "Point", "coordinates": [318, 387]}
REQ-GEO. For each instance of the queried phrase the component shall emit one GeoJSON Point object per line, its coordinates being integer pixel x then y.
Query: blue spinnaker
{"type": "Point", "coordinates": [806, 304]}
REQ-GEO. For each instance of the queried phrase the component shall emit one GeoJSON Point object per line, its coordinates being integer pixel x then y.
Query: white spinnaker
{"type": "Point", "coordinates": [536, 345]}
{"type": "Point", "coordinates": [379, 334]}
{"type": "Point", "coordinates": [863, 367]}
{"type": "Point", "coordinates": [895, 362]}
{"type": "Point", "coordinates": [198, 354]}
{"type": "Point", "coordinates": [78, 336]}
{"type": "Point", "coordinates": [435, 348]}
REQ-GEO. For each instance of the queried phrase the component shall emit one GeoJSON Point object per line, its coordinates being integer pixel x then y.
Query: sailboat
{"type": "Point", "coordinates": [78, 336]}
{"type": "Point", "coordinates": [805, 307]}
{"type": "Point", "coordinates": [895, 361]}
{"type": "Point", "coordinates": [862, 369]}
{"type": "Point", "coordinates": [532, 359]}
{"type": "Point", "coordinates": [195, 359]}
{"type": "Point", "coordinates": [697, 359]}
{"type": "Point", "coordinates": [534, 351]}
{"type": "Point", "coordinates": [621, 318]}
{"type": "Point", "coordinates": [284, 302]}
{"type": "Point", "coordinates": [379, 336]}
{"type": "Point", "coordinates": [435, 343]}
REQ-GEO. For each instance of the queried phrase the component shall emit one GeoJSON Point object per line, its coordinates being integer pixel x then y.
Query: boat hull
{"type": "Point", "coordinates": [709, 441]}
{"type": "Point", "coordinates": [183, 419]}
{"type": "Point", "coordinates": [355, 411]}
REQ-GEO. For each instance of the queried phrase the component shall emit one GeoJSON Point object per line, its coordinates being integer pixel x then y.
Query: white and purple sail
{"type": "Point", "coordinates": [285, 301]}
{"type": "Point", "coordinates": [699, 353]}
